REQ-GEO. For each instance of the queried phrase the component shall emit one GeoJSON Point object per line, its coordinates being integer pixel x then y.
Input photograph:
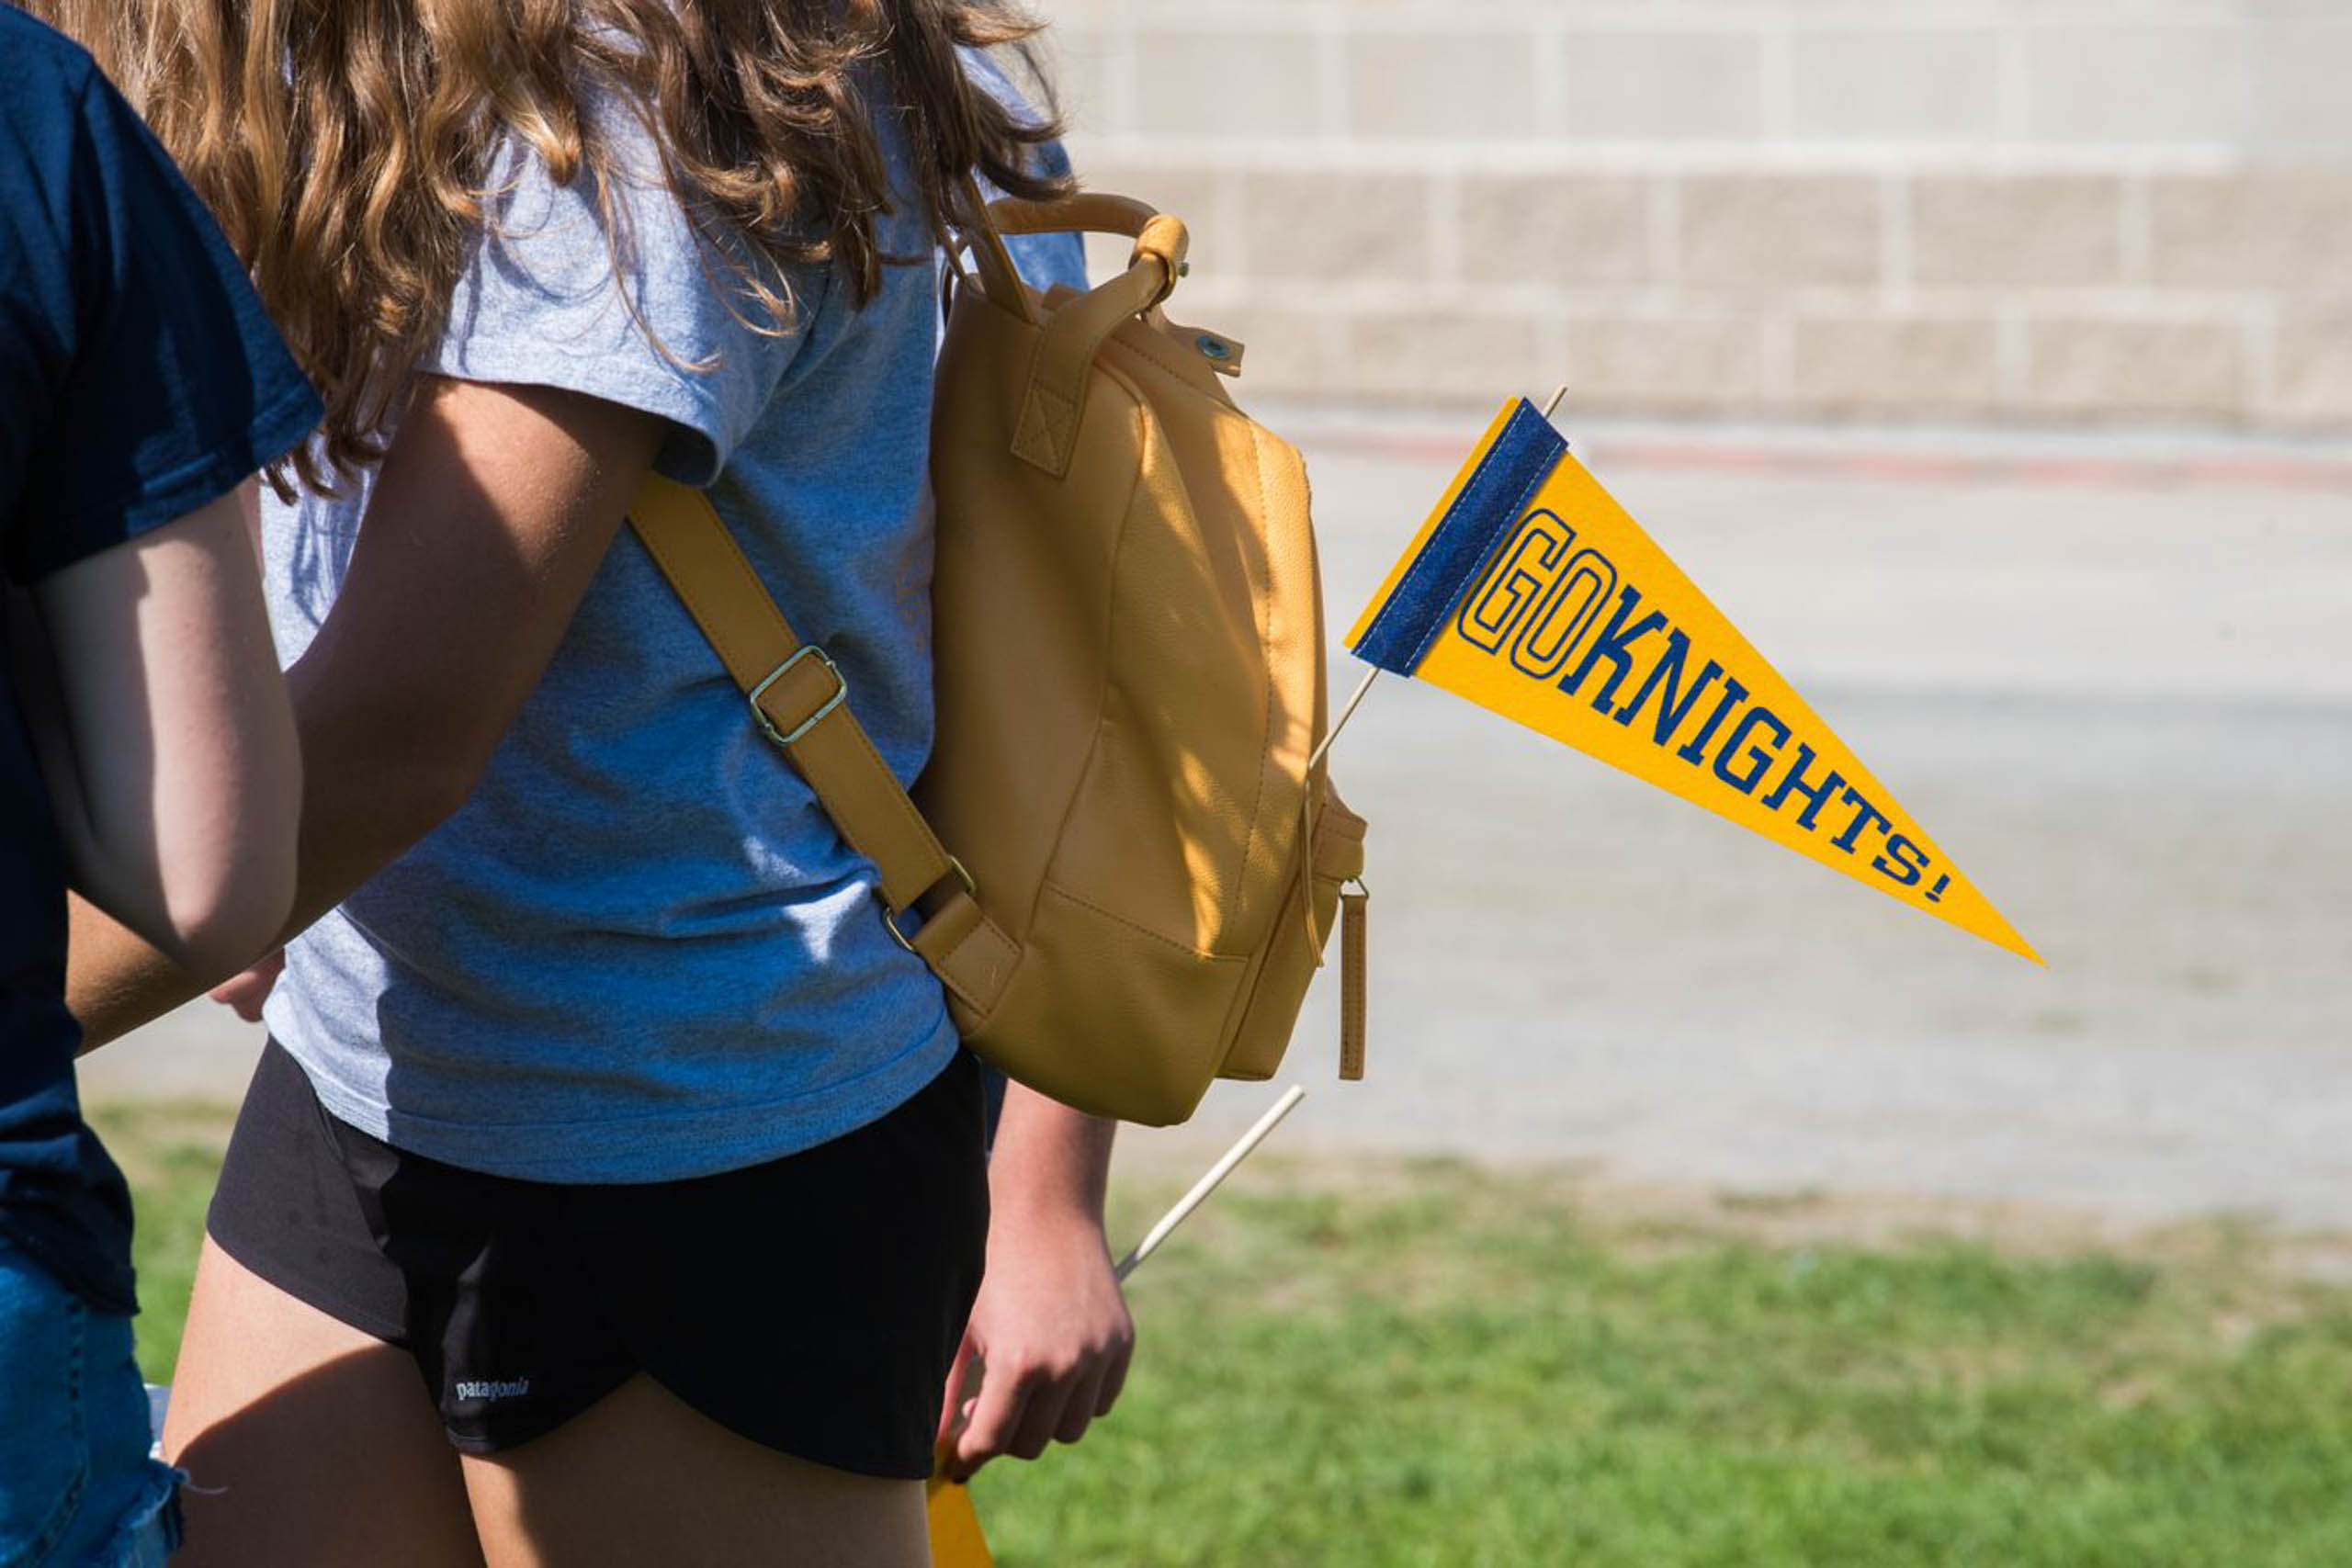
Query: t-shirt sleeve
{"type": "Point", "coordinates": [673, 331]}
{"type": "Point", "coordinates": [166, 384]}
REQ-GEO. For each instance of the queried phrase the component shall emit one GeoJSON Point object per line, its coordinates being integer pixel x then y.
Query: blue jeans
{"type": "Point", "coordinates": [77, 1488]}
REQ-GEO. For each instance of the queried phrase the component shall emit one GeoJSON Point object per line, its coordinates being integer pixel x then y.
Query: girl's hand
{"type": "Point", "coordinates": [1049, 1343]}
{"type": "Point", "coordinates": [245, 994]}
{"type": "Point", "coordinates": [1049, 1339]}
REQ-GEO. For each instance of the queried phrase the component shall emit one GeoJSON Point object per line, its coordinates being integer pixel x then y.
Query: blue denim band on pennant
{"type": "Point", "coordinates": [1460, 548]}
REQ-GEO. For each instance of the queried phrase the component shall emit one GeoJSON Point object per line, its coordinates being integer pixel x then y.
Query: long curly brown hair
{"type": "Point", "coordinates": [344, 144]}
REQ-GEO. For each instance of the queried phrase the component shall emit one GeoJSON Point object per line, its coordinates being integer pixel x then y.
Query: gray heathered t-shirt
{"type": "Point", "coordinates": [641, 952]}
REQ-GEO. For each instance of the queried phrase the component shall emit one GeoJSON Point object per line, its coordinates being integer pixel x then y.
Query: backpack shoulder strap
{"type": "Point", "coordinates": [800, 699]}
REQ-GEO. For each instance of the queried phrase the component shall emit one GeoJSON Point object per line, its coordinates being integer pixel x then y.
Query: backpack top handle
{"type": "Point", "coordinates": [1072, 332]}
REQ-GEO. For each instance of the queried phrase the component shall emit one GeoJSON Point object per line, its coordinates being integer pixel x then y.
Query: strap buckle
{"type": "Point", "coordinates": [890, 916]}
{"type": "Point", "coordinates": [841, 694]}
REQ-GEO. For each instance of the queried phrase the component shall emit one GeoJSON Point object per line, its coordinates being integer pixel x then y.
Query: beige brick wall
{"type": "Point", "coordinates": [2030, 210]}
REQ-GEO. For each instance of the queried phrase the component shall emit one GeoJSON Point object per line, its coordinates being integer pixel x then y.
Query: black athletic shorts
{"type": "Point", "coordinates": [812, 1305]}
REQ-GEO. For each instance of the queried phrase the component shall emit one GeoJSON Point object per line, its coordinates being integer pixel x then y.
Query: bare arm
{"type": "Point", "coordinates": [165, 739]}
{"type": "Point", "coordinates": [493, 509]}
{"type": "Point", "coordinates": [1050, 1330]}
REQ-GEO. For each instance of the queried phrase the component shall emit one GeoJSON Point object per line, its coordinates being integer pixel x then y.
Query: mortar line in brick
{"type": "Point", "coordinates": [2096, 299]}
{"type": "Point", "coordinates": [2173, 306]}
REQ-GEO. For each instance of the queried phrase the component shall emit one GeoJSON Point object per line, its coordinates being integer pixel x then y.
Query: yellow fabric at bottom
{"type": "Point", "coordinates": [955, 1538]}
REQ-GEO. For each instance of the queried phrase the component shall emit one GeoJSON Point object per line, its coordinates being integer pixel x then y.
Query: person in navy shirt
{"type": "Point", "coordinates": [147, 752]}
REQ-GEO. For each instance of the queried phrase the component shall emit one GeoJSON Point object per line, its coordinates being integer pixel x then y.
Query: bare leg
{"type": "Point", "coordinates": [640, 1477]}
{"type": "Point", "coordinates": [307, 1442]}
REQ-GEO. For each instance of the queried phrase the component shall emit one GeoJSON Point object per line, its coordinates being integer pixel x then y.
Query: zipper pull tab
{"type": "Point", "coordinates": [1353, 898]}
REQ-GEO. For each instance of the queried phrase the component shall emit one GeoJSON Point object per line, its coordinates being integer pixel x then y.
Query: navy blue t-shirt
{"type": "Point", "coordinates": [140, 380]}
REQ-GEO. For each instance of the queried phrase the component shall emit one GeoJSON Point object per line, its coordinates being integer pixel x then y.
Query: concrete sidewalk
{"type": "Point", "coordinates": [2118, 692]}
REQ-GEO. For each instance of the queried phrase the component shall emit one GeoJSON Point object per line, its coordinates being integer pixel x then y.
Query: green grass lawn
{"type": "Point", "coordinates": [171, 1153]}
{"type": "Point", "coordinates": [1458, 1368]}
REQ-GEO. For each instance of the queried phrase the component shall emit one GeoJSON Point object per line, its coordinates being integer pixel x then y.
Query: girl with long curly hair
{"type": "Point", "coordinates": [598, 1091]}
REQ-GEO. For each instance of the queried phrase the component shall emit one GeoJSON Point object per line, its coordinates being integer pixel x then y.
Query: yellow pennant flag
{"type": "Point", "coordinates": [955, 1538]}
{"type": "Point", "coordinates": [1532, 592]}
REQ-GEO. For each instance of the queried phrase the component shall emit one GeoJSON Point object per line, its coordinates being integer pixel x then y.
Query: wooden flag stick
{"type": "Point", "coordinates": [1210, 1182]}
{"type": "Point", "coordinates": [1347, 713]}
{"type": "Point", "coordinates": [1559, 396]}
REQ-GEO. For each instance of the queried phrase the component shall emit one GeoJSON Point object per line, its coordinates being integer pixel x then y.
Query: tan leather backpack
{"type": "Point", "coordinates": [1128, 635]}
